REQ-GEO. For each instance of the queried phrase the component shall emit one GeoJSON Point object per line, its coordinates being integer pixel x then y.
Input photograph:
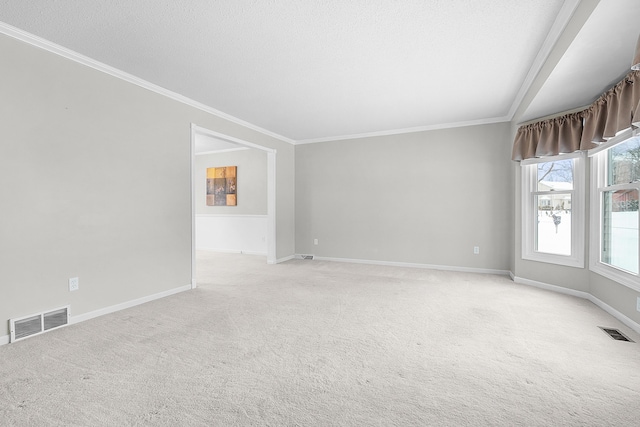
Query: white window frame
{"type": "Point", "coordinates": [599, 164]}
{"type": "Point", "coordinates": [529, 174]}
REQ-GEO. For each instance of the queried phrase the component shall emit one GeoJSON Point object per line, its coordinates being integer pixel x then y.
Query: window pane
{"type": "Point", "coordinates": [553, 229]}
{"type": "Point", "coordinates": [555, 176]}
{"type": "Point", "coordinates": [624, 162]}
{"type": "Point", "coordinates": [620, 229]}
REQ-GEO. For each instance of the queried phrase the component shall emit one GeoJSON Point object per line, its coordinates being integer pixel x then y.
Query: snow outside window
{"type": "Point", "coordinates": [615, 224]}
{"type": "Point", "coordinates": [553, 210]}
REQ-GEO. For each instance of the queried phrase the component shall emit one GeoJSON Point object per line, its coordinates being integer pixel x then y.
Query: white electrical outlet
{"type": "Point", "coordinates": [476, 250]}
{"type": "Point", "coordinates": [74, 284]}
{"type": "Point", "coordinates": [638, 304]}
{"type": "Point", "coordinates": [315, 241]}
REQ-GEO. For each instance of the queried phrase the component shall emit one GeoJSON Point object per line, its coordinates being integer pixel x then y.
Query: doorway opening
{"type": "Point", "coordinates": [198, 132]}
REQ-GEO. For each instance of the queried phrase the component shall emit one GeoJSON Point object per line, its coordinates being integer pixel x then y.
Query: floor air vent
{"type": "Point", "coordinates": [307, 256]}
{"type": "Point", "coordinates": [616, 334]}
{"type": "Point", "coordinates": [35, 324]}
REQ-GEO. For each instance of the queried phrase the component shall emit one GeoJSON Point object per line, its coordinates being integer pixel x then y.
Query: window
{"type": "Point", "coordinates": [615, 221]}
{"type": "Point", "coordinates": [553, 210]}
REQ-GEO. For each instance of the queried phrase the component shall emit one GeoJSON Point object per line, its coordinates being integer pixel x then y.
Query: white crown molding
{"type": "Point", "coordinates": [416, 129]}
{"type": "Point", "coordinates": [558, 27]}
{"type": "Point", "coordinates": [555, 33]}
{"type": "Point", "coordinates": [56, 49]}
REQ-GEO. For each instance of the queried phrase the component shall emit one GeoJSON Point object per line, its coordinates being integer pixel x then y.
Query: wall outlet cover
{"type": "Point", "coordinates": [74, 284]}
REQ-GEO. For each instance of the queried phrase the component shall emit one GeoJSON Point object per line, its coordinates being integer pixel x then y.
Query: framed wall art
{"type": "Point", "coordinates": [222, 186]}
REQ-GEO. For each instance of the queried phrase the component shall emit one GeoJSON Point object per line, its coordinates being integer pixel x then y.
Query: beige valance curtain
{"type": "Point", "coordinates": [615, 110]}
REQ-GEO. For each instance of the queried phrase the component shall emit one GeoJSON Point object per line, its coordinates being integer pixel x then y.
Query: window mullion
{"type": "Point", "coordinates": [536, 193]}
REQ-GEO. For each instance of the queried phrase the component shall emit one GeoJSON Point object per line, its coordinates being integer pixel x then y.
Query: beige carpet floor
{"type": "Point", "coordinates": [312, 343]}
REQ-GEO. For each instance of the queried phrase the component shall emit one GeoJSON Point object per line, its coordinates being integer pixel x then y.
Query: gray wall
{"type": "Point", "coordinates": [96, 184]}
{"type": "Point", "coordinates": [251, 181]}
{"type": "Point", "coordinates": [616, 295]}
{"type": "Point", "coordinates": [426, 198]}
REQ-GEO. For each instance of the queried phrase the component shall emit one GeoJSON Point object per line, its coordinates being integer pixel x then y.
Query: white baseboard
{"type": "Point", "coordinates": [548, 287]}
{"type": "Point", "coordinates": [112, 309]}
{"type": "Point", "coordinates": [230, 216]}
{"type": "Point", "coordinates": [232, 251]}
{"type": "Point", "coordinates": [412, 265]}
{"type": "Point", "coordinates": [279, 260]}
{"type": "Point", "coordinates": [585, 295]}
{"type": "Point", "coordinates": [125, 305]}
{"type": "Point", "coordinates": [615, 313]}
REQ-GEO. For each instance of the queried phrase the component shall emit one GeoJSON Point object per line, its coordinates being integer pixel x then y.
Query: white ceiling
{"type": "Point", "coordinates": [322, 69]}
{"type": "Point", "coordinates": [599, 57]}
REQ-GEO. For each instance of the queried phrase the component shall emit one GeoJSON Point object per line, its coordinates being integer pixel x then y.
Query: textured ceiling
{"type": "Point", "coordinates": [313, 70]}
{"type": "Point", "coordinates": [597, 59]}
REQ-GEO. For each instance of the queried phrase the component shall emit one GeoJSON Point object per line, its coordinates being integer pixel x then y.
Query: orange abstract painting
{"type": "Point", "coordinates": [221, 186]}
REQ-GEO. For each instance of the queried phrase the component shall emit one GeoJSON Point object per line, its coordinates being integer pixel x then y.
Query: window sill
{"type": "Point", "coordinates": [567, 261]}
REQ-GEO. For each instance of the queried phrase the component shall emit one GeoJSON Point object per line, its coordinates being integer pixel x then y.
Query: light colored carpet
{"type": "Point", "coordinates": [312, 343]}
